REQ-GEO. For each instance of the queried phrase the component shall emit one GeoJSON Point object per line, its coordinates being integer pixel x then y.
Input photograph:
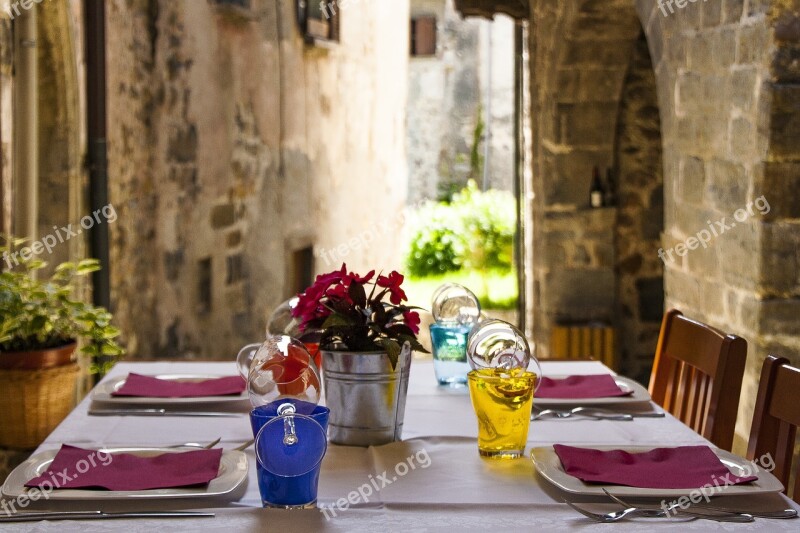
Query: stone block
{"type": "Point", "coordinates": [723, 47]}
{"type": "Point", "coordinates": [785, 121]}
{"type": "Point", "coordinates": [727, 186]}
{"type": "Point", "coordinates": [780, 261]}
{"type": "Point", "coordinates": [785, 66]}
{"type": "Point", "coordinates": [587, 124]}
{"type": "Point", "coordinates": [568, 84]}
{"type": "Point", "coordinates": [743, 139]}
{"type": "Point", "coordinates": [743, 87]}
{"type": "Point", "coordinates": [779, 316]}
{"type": "Point", "coordinates": [701, 58]}
{"type": "Point", "coordinates": [223, 216]}
{"type": "Point", "coordinates": [781, 190]}
{"type": "Point", "coordinates": [712, 14]}
{"type": "Point", "coordinates": [752, 47]}
{"type": "Point", "coordinates": [601, 85]}
{"type": "Point", "coordinates": [692, 179]}
{"type": "Point", "coordinates": [690, 92]}
{"type": "Point", "coordinates": [732, 11]}
{"type": "Point", "coordinates": [580, 295]}
{"type": "Point", "coordinates": [739, 249]}
{"type": "Point", "coordinates": [183, 144]}
{"type": "Point", "coordinates": [607, 53]}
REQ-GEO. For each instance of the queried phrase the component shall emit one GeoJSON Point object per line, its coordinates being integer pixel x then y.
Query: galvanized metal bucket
{"type": "Point", "coordinates": [367, 398]}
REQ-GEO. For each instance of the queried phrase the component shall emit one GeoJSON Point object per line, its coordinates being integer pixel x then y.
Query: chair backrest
{"type": "Point", "coordinates": [775, 420]}
{"type": "Point", "coordinates": [697, 376]}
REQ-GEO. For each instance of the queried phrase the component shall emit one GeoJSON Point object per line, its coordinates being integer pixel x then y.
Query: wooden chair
{"type": "Point", "coordinates": [697, 376]}
{"type": "Point", "coordinates": [775, 420]}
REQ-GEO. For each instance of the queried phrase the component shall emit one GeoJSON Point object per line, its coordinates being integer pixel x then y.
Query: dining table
{"type": "Point", "coordinates": [432, 480]}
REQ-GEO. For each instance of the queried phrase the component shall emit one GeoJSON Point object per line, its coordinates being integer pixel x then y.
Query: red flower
{"type": "Point", "coordinates": [349, 278]}
{"type": "Point", "coordinates": [411, 319]}
{"type": "Point", "coordinates": [393, 282]}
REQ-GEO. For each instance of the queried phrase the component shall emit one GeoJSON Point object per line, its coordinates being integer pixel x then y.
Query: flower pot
{"type": "Point", "coordinates": [38, 359]}
{"type": "Point", "coordinates": [38, 392]}
{"type": "Point", "coordinates": [366, 396]}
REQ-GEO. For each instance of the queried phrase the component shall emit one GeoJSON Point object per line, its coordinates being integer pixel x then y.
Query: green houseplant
{"type": "Point", "coordinates": [366, 343]}
{"type": "Point", "coordinates": [41, 323]}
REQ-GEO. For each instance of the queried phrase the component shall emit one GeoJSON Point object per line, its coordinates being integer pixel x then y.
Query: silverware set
{"type": "Point", "coordinates": [102, 411]}
{"type": "Point", "coordinates": [35, 516]}
{"type": "Point", "coordinates": [675, 512]}
{"type": "Point", "coordinates": [593, 413]}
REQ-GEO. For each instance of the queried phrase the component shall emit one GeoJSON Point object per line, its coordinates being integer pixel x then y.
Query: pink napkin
{"type": "Point", "coordinates": [576, 387]}
{"type": "Point", "coordinates": [149, 386]}
{"type": "Point", "coordinates": [76, 468]}
{"type": "Point", "coordinates": [684, 467]}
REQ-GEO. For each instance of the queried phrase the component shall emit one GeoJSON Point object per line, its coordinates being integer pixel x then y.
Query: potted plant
{"type": "Point", "coordinates": [366, 345]}
{"type": "Point", "coordinates": [40, 325]}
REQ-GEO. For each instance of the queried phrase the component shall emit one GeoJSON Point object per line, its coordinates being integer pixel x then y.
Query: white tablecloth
{"type": "Point", "coordinates": [449, 486]}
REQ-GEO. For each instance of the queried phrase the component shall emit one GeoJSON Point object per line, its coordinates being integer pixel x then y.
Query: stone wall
{"type": "Point", "coordinates": [640, 218]}
{"type": "Point", "coordinates": [726, 76]}
{"type": "Point", "coordinates": [234, 145]}
{"type": "Point", "coordinates": [448, 95]}
{"type": "Point", "coordinates": [581, 55]}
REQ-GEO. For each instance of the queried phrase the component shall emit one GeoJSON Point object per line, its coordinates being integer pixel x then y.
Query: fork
{"type": "Point", "coordinates": [581, 411]}
{"type": "Point", "coordinates": [785, 514]}
{"type": "Point", "coordinates": [635, 512]}
{"type": "Point", "coordinates": [196, 445]}
{"type": "Point", "coordinates": [244, 446]}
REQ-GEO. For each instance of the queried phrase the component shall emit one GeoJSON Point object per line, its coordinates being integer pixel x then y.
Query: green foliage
{"type": "Point", "coordinates": [474, 231]}
{"type": "Point", "coordinates": [38, 313]}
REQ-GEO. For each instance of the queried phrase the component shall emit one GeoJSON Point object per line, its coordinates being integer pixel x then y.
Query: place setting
{"type": "Point", "coordinates": [650, 482]}
{"type": "Point", "coordinates": [594, 396]}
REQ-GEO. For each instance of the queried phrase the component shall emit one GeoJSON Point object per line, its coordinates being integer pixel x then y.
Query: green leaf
{"type": "Point", "coordinates": [357, 294]}
{"type": "Point", "coordinates": [336, 319]}
{"type": "Point", "coordinates": [392, 350]}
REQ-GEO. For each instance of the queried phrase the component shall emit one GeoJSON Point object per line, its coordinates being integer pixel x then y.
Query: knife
{"type": "Point", "coordinates": [96, 515]}
{"type": "Point", "coordinates": [155, 412]}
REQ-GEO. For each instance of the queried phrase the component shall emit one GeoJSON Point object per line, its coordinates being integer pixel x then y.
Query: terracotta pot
{"type": "Point", "coordinates": [39, 359]}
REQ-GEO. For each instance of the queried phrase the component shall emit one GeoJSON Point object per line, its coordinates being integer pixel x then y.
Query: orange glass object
{"type": "Point", "coordinates": [292, 373]}
{"type": "Point", "coordinates": [313, 349]}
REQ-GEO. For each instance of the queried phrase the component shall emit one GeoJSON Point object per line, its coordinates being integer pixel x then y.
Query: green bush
{"type": "Point", "coordinates": [437, 247]}
{"type": "Point", "coordinates": [489, 220]}
{"type": "Point", "coordinates": [475, 231]}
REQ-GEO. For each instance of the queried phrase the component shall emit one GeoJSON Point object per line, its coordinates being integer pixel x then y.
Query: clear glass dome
{"type": "Point", "coordinates": [455, 304]}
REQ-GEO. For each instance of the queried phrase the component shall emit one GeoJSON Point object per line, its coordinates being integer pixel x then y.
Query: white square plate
{"type": "Point", "coordinates": [638, 395]}
{"type": "Point", "coordinates": [549, 466]}
{"type": "Point", "coordinates": [232, 474]}
{"type": "Point", "coordinates": [102, 393]}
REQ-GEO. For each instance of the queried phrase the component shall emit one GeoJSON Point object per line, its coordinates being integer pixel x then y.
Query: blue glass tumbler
{"type": "Point", "coordinates": [449, 343]}
{"type": "Point", "coordinates": [289, 452]}
{"type": "Point", "coordinates": [259, 417]}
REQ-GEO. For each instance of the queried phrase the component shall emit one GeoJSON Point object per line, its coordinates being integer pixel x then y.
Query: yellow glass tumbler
{"type": "Point", "coordinates": [502, 400]}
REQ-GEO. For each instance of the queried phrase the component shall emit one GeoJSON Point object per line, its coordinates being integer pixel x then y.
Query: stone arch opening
{"type": "Point", "coordinates": [596, 106]}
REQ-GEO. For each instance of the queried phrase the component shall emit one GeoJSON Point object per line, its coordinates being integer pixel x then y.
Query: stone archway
{"type": "Point", "coordinates": [582, 59]}
{"type": "Point", "coordinates": [726, 77]}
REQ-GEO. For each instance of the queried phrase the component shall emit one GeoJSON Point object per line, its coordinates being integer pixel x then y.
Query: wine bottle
{"type": "Point", "coordinates": [611, 188]}
{"type": "Point", "coordinates": [597, 192]}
